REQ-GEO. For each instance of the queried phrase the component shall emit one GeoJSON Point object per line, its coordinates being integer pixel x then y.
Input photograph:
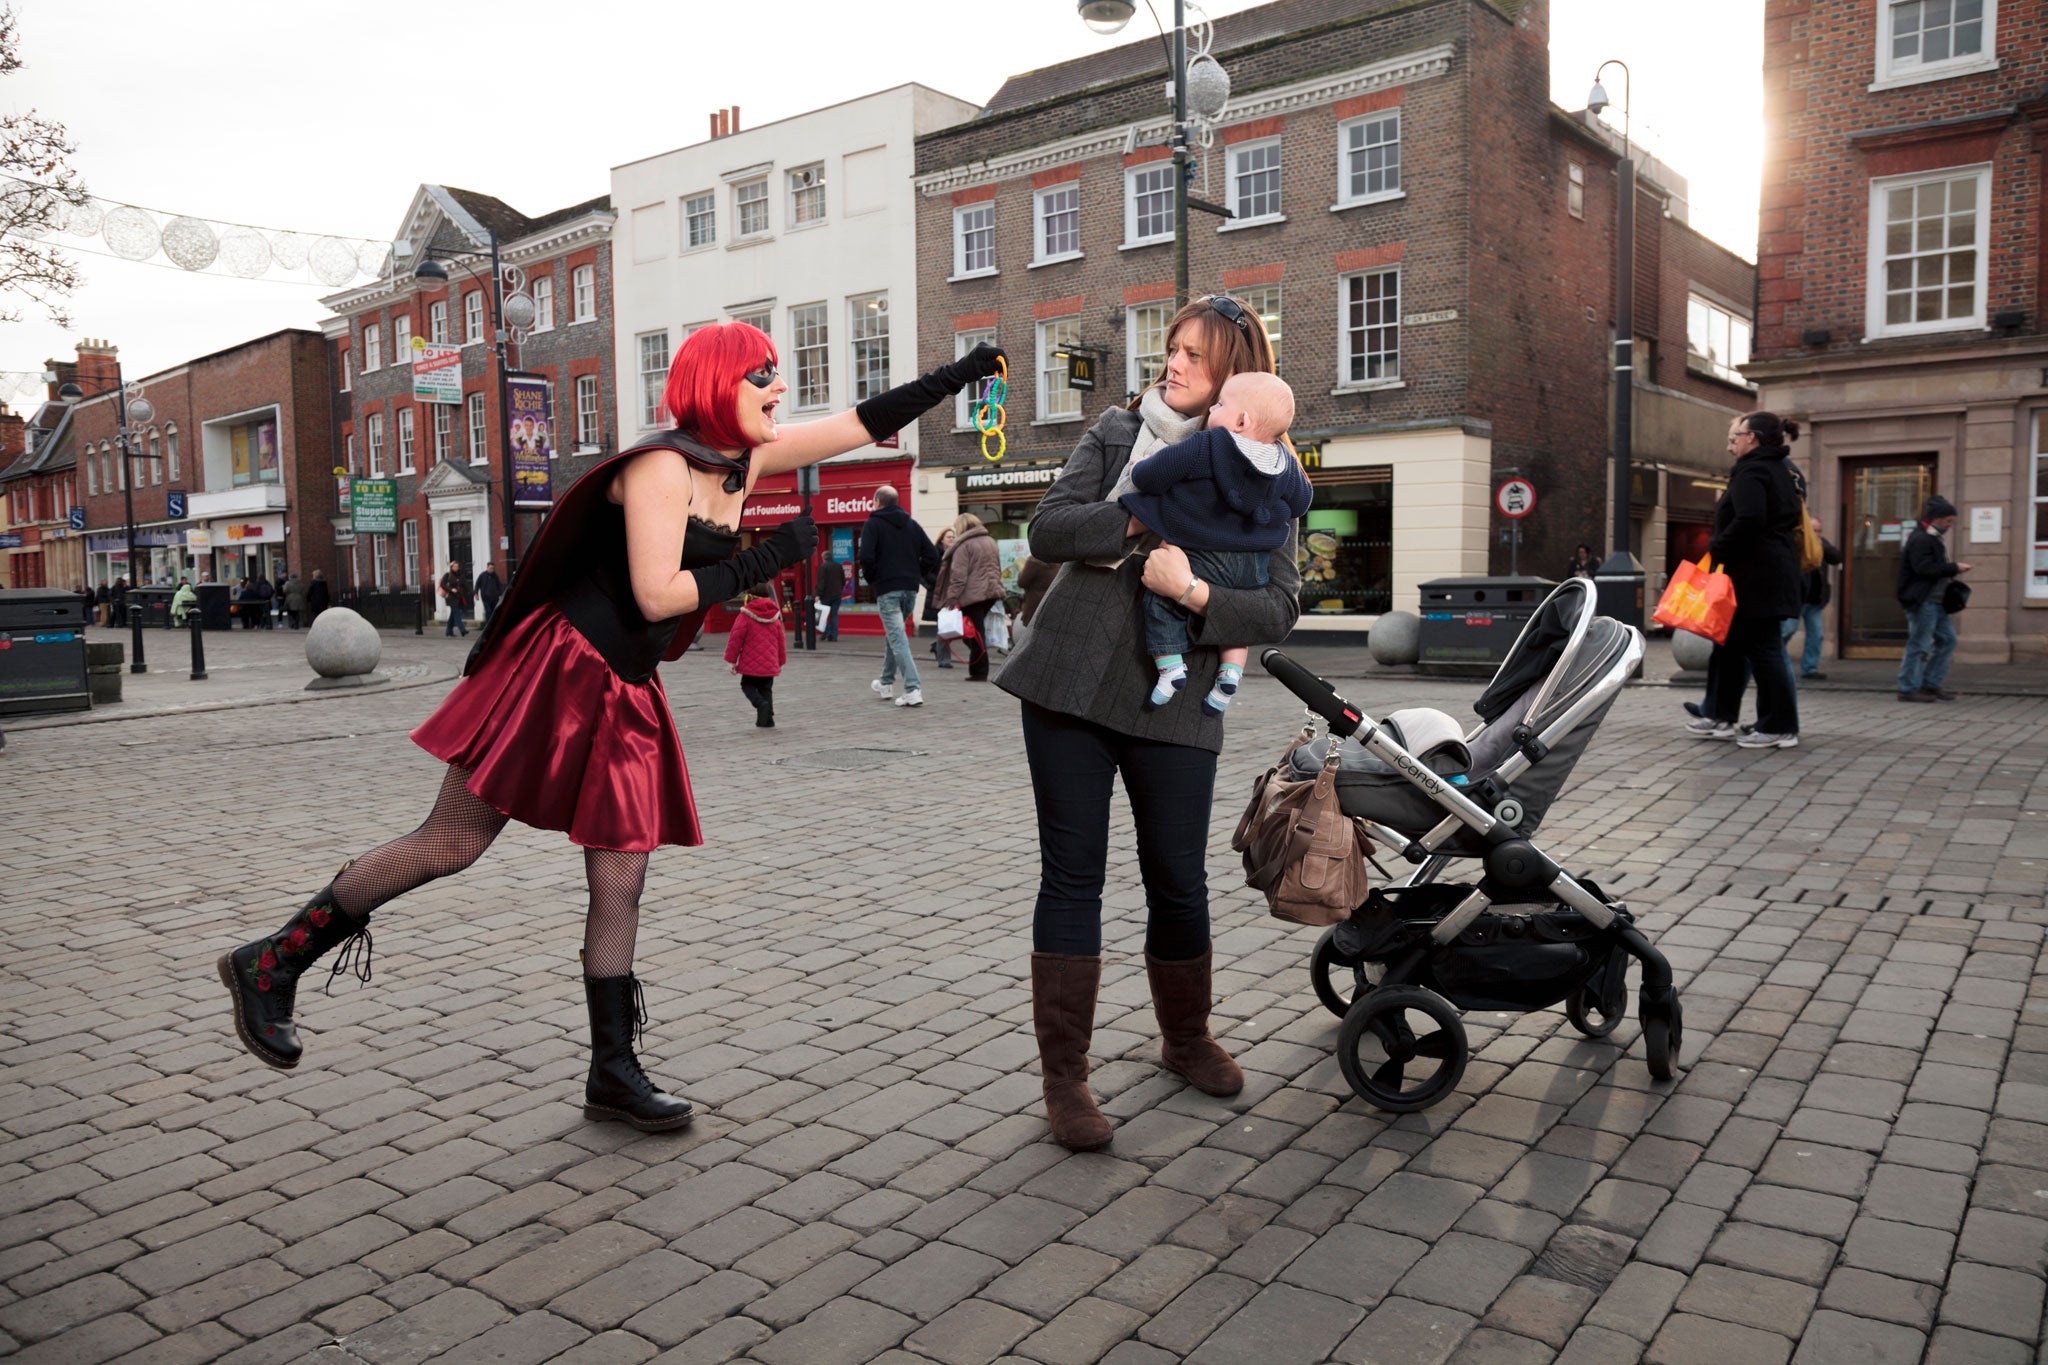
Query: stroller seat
{"type": "Point", "coordinates": [1563, 654]}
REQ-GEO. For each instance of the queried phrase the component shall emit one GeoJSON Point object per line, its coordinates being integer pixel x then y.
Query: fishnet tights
{"type": "Point", "coordinates": [456, 833]}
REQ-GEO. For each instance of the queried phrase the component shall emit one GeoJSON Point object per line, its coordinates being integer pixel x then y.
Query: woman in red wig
{"type": "Point", "coordinates": [560, 720]}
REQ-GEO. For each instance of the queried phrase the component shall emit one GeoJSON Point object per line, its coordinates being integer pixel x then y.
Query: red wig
{"type": "Point", "coordinates": [707, 368]}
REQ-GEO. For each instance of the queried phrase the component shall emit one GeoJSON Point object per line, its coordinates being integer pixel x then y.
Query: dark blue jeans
{"type": "Point", "coordinates": [1074, 764]}
{"type": "Point", "coordinates": [1166, 621]}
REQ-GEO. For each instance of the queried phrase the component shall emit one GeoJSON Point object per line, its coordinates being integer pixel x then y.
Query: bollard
{"type": "Point", "coordinates": [135, 663]}
{"type": "Point", "coordinates": [419, 615]}
{"type": "Point", "coordinates": [198, 646]}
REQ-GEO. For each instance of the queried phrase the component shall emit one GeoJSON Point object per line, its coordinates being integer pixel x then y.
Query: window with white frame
{"type": "Point", "coordinates": [653, 376]}
{"type": "Point", "coordinates": [92, 477]}
{"type": "Point", "coordinates": [1575, 189]}
{"type": "Point", "coordinates": [380, 559]}
{"type": "Point", "coordinates": [1927, 251]}
{"type": "Point", "coordinates": [373, 347]}
{"type": "Point", "coordinates": [2037, 522]}
{"type": "Point", "coordinates": [479, 440]}
{"type": "Point", "coordinates": [1716, 339]}
{"type": "Point", "coordinates": [807, 195]}
{"type": "Point", "coordinates": [348, 456]}
{"type": "Point", "coordinates": [444, 431]}
{"type": "Point", "coordinates": [401, 339]}
{"type": "Point", "coordinates": [156, 463]}
{"type": "Point", "coordinates": [700, 220]}
{"type": "Point", "coordinates": [348, 371]}
{"type": "Point", "coordinates": [472, 317]}
{"type": "Point", "coordinates": [1055, 399]}
{"type": "Point", "coordinates": [375, 424]}
{"type": "Point", "coordinates": [1057, 213]}
{"type": "Point", "coordinates": [106, 467]}
{"type": "Point", "coordinates": [763, 322]}
{"type": "Point", "coordinates": [1145, 344]}
{"type": "Point", "coordinates": [809, 332]}
{"type": "Point", "coordinates": [171, 449]}
{"type": "Point", "coordinates": [1369, 327]}
{"type": "Point", "coordinates": [1148, 203]}
{"type": "Point", "coordinates": [586, 410]}
{"type": "Point", "coordinates": [412, 552]}
{"type": "Point", "coordinates": [405, 425]}
{"type": "Point", "coordinates": [1255, 181]}
{"type": "Point", "coordinates": [1924, 40]}
{"type": "Point", "coordinates": [867, 319]}
{"type": "Point", "coordinates": [750, 208]}
{"type": "Point", "coordinates": [974, 238]}
{"type": "Point", "coordinates": [544, 302]}
{"type": "Point", "coordinates": [963, 405]}
{"type": "Point", "coordinates": [1264, 299]}
{"type": "Point", "coordinates": [1370, 168]}
{"type": "Point", "coordinates": [583, 293]}
{"type": "Point", "coordinates": [437, 322]}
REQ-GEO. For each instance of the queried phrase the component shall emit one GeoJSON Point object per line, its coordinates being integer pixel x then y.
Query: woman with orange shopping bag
{"type": "Point", "coordinates": [1756, 538]}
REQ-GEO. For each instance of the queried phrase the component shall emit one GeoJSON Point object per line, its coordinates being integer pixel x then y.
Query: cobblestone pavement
{"type": "Point", "coordinates": [1853, 1168]}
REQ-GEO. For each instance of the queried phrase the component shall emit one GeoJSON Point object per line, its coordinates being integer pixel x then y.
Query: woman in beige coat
{"type": "Point", "coordinates": [971, 578]}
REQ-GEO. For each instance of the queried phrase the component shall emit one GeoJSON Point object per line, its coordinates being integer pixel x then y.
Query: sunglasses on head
{"type": "Point", "coordinates": [1231, 311]}
{"type": "Point", "coordinates": [762, 377]}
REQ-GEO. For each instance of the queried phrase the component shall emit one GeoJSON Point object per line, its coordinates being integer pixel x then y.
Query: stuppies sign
{"type": "Point", "coordinates": [373, 507]}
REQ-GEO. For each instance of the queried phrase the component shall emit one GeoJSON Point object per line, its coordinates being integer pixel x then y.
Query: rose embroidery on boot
{"type": "Point", "coordinates": [295, 940]}
{"type": "Point", "coordinates": [268, 960]}
{"type": "Point", "coordinates": [319, 918]}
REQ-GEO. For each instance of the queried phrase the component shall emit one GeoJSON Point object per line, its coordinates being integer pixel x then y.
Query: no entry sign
{"type": "Point", "coordinates": [1516, 498]}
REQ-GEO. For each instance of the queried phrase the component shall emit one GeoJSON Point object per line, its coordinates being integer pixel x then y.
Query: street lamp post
{"type": "Point", "coordinates": [1619, 580]}
{"type": "Point", "coordinates": [432, 273]}
{"type": "Point", "coordinates": [126, 409]}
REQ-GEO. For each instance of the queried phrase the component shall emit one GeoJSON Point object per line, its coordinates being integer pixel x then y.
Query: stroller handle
{"type": "Point", "coordinates": [1344, 718]}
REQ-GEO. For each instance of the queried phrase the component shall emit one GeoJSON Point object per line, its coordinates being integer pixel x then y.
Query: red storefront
{"type": "Point", "coordinates": [845, 497]}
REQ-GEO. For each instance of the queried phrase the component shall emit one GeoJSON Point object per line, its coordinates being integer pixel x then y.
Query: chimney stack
{"type": "Point", "coordinates": [714, 125]}
{"type": "Point", "coordinates": [98, 366]}
{"type": "Point", "coordinates": [734, 125]}
{"type": "Point", "coordinates": [13, 436]}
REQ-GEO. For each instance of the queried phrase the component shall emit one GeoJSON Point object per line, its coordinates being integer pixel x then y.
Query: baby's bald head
{"type": "Point", "coordinates": [1258, 405]}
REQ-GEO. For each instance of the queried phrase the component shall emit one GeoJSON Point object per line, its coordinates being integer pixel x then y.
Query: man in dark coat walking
{"type": "Point", "coordinates": [1925, 573]}
{"type": "Point", "coordinates": [317, 596]}
{"type": "Point", "coordinates": [489, 588]}
{"type": "Point", "coordinates": [831, 587]}
{"type": "Point", "coordinates": [896, 554]}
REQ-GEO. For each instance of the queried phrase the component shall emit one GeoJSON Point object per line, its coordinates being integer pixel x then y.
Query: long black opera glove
{"type": "Point", "coordinates": [888, 413]}
{"type": "Point", "coordinates": [790, 542]}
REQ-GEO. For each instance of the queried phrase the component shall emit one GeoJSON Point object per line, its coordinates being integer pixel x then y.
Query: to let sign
{"type": "Point", "coordinates": [373, 506]}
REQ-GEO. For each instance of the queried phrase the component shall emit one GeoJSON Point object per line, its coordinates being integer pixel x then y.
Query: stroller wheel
{"type": "Point", "coordinates": [1339, 980]}
{"type": "Point", "coordinates": [1402, 1048]}
{"type": "Point", "coordinates": [1663, 1036]}
{"type": "Point", "coordinates": [1582, 1007]}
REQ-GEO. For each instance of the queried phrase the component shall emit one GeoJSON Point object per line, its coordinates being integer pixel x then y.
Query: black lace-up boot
{"type": "Point", "coordinates": [618, 1089]}
{"type": "Point", "coordinates": [262, 977]}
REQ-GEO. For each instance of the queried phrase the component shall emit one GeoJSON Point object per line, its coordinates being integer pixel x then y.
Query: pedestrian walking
{"type": "Point", "coordinates": [489, 589]}
{"type": "Point", "coordinates": [183, 601]}
{"type": "Point", "coordinates": [895, 555]}
{"type": "Point", "coordinates": [265, 596]}
{"type": "Point", "coordinates": [831, 587]}
{"type": "Point", "coordinates": [1756, 536]}
{"type": "Point", "coordinates": [560, 719]}
{"type": "Point", "coordinates": [1082, 676]}
{"type": "Point", "coordinates": [318, 599]}
{"type": "Point", "coordinates": [756, 649]}
{"type": "Point", "coordinates": [942, 650]}
{"type": "Point", "coordinates": [295, 602]}
{"type": "Point", "coordinates": [1583, 564]}
{"type": "Point", "coordinates": [455, 592]}
{"type": "Point", "coordinates": [971, 578]}
{"type": "Point", "coordinates": [118, 602]}
{"type": "Point", "coordinates": [1816, 591]}
{"type": "Point", "coordinates": [1926, 579]}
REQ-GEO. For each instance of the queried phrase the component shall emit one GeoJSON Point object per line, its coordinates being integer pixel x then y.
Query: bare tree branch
{"type": "Point", "coordinates": [40, 189]}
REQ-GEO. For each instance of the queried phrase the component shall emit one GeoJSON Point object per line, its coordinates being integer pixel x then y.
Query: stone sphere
{"type": "Point", "coordinates": [1691, 651]}
{"type": "Point", "coordinates": [1396, 638]}
{"type": "Point", "coordinates": [342, 644]}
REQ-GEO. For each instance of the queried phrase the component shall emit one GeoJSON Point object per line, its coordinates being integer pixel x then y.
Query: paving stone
{"type": "Point", "coordinates": [1087, 1181]}
{"type": "Point", "coordinates": [1531, 1228]}
{"type": "Point", "coordinates": [1136, 1220]}
{"type": "Point", "coordinates": [1554, 1184]}
{"type": "Point", "coordinates": [1464, 1272]}
{"type": "Point", "coordinates": [813, 1289]}
{"type": "Point", "coordinates": [1416, 1205]}
{"type": "Point", "coordinates": [1773, 1252]}
{"type": "Point", "coordinates": [1599, 1346]}
{"type": "Point", "coordinates": [1815, 1166]}
{"type": "Point", "coordinates": [1194, 1314]}
{"type": "Point", "coordinates": [1155, 1278]}
{"type": "Point", "coordinates": [972, 1333]}
{"type": "Point", "coordinates": [1902, 1249]}
{"type": "Point", "coordinates": [1834, 1338]}
{"type": "Point", "coordinates": [1014, 1226]}
{"type": "Point", "coordinates": [1680, 1236]}
{"type": "Point", "coordinates": [671, 1320]}
{"type": "Point", "coordinates": [1638, 1300]}
{"type": "Point", "coordinates": [930, 1280]}
{"type": "Point", "coordinates": [528, 1339]}
{"type": "Point", "coordinates": [1355, 1262]}
{"type": "Point", "coordinates": [61, 1309]}
{"type": "Point", "coordinates": [1547, 1310]}
{"type": "Point", "coordinates": [528, 1281]}
{"type": "Point", "coordinates": [1820, 1215]}
{"type": "Point", "coordinates": [1866, 1294]}
{"type": "Point", "coordinates": [1281, 1324]}
{"type": "Point", "coordinates": [427, 1329]}
{"type": "Point", "coordinates": [700, 1199]}
{"type": "Point", "coordinates": [1582, 1254]}
{"type": "Point", "coordinates": [1780, 1306]}
{"type": "Point", "coordinates": [1266, 1253]}
{"type": "Point", "coordinates": [1906, 1194]}
{"type": "Point", "coordinates": [843, 1332]}
{"type": "Point", "coordinates": [1054, 1276]}
{"type": "Point", "coordinates": [1993, 1299]}
{"type": "Point", "coordinates": [1406, 1332]}
{"type": "Point", "coordinates": [608, 1299]}
{"type": "Point", "coordinates": [1688, 1340]}
{"type": "Point", "coordinates": [2005, 1239]}
{"type": "Point", "coordinates": [1961, 1346]}
{"type": "Point", "coordinates": [1081, 1335]}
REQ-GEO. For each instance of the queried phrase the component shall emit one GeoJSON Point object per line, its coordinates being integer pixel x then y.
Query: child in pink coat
{"type": "Point", "coordinates": [757, 649]}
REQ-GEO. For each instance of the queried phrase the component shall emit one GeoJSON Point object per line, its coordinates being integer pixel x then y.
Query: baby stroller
{"type": "Point", "coordinates": [1527, 934]}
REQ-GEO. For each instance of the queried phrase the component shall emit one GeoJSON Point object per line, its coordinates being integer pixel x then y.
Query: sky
{"type": "Point", "coordinates": [324, 119]}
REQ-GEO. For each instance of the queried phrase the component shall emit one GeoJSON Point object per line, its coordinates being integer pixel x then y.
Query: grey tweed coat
{"type": "Point", "coordinates": [1085, 653]}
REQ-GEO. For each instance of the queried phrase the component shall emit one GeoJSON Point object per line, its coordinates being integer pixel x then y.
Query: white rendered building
{"type": "Point", "coordinates": [807, 229]}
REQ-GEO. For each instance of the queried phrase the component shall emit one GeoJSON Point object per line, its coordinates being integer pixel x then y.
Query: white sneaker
{"type": "Point", "coordinates": [1709, 729]}
{"type": "Point", "coordinates": [1759, 739]}
{"type": "Point", "coordinates": [914, 697]}
{"type": "Point", "coordinates": [882, 689]}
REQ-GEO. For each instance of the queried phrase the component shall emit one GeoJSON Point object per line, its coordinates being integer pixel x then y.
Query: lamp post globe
{"type": "Point", "coordinates": [140, 410]}
{"type": "Point", "coordinates": [1106, 16]}
{"type": "Point", "coordinates": [1208, 87]}
{"type": "Point", "coordinates": [430, 272]}
{"type": "Point", "coordinates": [519, 312]}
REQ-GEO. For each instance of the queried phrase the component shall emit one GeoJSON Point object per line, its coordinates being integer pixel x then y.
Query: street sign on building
{"type": "Point", "coordinates": [174, 504]}
{"type": "Point", "coordinates": [436, 372]}
{"type": "Point", "coordinates": [373, 507]}
{"type": "Point", "coordinates": [78, 518]}
{"type": "Point", "coordinates": [1080, 370]}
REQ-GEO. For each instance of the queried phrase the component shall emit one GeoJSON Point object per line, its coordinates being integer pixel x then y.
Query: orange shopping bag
{"type": "Point", "coordinates": [1699, 598]}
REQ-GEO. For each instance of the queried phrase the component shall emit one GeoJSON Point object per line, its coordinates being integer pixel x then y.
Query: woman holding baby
{"type": "Point", "coordinates": [1086, 679]}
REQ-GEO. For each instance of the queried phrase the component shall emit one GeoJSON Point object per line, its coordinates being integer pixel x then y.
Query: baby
{"type": "Point", "coordinates": [1229, 496]}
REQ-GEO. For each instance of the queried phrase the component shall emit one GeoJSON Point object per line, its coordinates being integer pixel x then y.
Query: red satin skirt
{"type": "Point", "coordinates": [552, 737]}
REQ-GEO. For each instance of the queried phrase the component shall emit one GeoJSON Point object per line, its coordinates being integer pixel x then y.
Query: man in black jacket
{"type": "Point", "coordinates": [1816, 594]}
{"type": "Point", "coordinates": [831, 587]}
{"type": "Point", "coordinates": [895, 555]}
{"type": "Point", "coordinates": [1925, 571]}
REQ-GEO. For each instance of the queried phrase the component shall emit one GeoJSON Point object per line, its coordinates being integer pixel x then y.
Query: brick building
{"type": "Point", "coordinates": [450, 460]}
{"type": "Point", "coordinates": [1903, 256]}
{"type": "Point", "coordinates": [38, 490]}
{"type": "Point", "coordinates": [1438, 322]}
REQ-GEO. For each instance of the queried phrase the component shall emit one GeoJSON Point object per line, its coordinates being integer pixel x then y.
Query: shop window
{"type": "Point", "coordinates": [254, 455]}
{"type": "Point", "coordinates": [2037, 558]}
{"type": "Point", "coordinates": [1346, 551]}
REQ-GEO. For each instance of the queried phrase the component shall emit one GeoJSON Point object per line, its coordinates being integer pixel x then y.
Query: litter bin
{"type": "Point", "coordinates": [155, 604]}
{"type": "Point", "coordinates": [1469, 624]}
{"type": "Point", "coordinates": [214, 601]}
{"type": "Point", "coordinates": [42, 651]}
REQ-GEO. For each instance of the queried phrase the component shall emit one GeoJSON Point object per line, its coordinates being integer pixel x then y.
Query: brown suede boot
{"type": "Point", "coordinates": [1180, 998]}
{"type": "Point", "coordinates": [1063, 1014]}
